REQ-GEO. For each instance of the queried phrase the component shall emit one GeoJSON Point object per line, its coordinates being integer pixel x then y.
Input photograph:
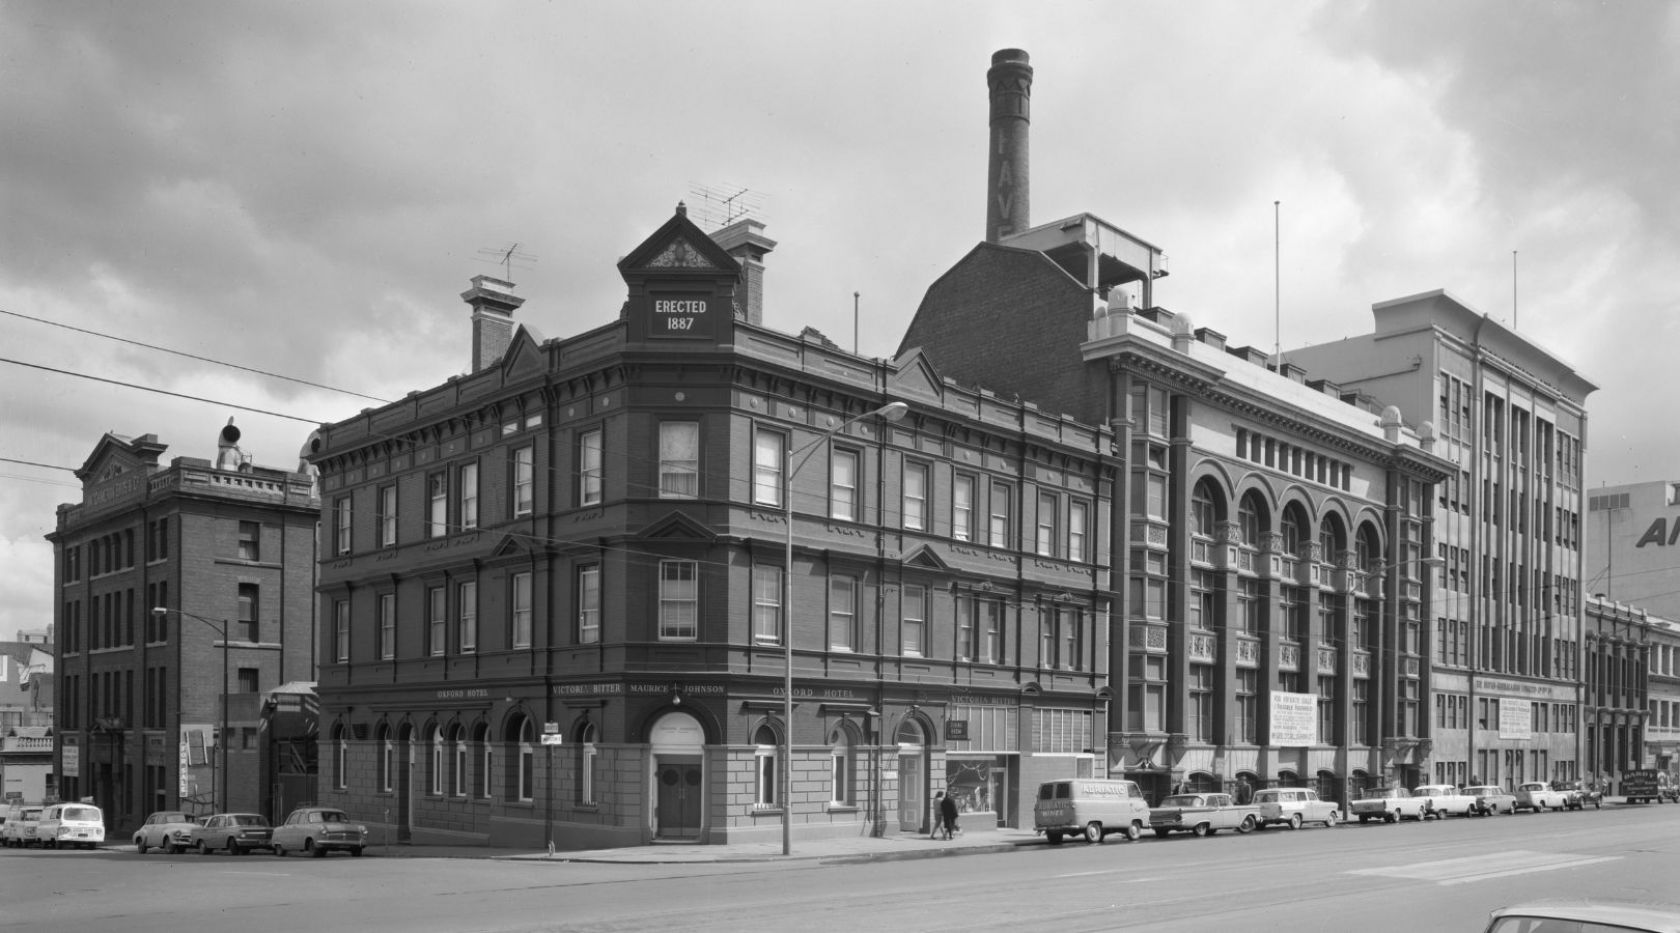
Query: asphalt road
{"type": "Point", "coordinates": [1437, 876]}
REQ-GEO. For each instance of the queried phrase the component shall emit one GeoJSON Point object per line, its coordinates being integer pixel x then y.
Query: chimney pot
{"type": "Point", "coordinates": [493, 303]}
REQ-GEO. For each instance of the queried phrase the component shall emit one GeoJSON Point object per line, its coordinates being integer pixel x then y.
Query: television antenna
{"type": "Point", "coordinates": [507, 256]}
{"type": "Point", "coordinates": [721, 205]}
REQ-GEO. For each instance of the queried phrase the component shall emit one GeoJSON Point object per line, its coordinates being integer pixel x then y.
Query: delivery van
{"type": "Point", "coordinates": [1089, 807]}
{"type": "Point", "coordinates": [71, 824]}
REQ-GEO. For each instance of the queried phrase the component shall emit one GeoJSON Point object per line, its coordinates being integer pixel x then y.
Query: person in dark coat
{"type": "Point", "coordinates": [948, 814]}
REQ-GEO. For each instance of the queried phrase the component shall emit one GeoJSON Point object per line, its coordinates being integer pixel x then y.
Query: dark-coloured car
{"type": "Point", "coordinates": [233, 833]}
{"type": "Point", "coordinates": [317, 830]}
{"type": "Point", "coordinates": [169, 830]}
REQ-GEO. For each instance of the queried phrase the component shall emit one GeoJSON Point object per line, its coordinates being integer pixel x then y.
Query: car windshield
{"type": "Point", "coordinates": [1182, 800]}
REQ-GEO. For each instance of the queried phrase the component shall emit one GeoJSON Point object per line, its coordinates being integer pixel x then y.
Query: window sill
{"type": "Point", "coordinates": [842, 807]}
{"type": "Point", "coordinates": [759, 810]}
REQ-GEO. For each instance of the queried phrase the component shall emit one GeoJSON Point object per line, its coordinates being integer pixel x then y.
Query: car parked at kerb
{"type": "Point", "coordinates": [168, 830]}
{"type": "Point", "coordinates": [1491, 799]}
{"type": "Point", "coordinates": [315, 831]}
{"type": "Point", "coordinates": [233, 833]}
{"type": "Point", "coordinates": [1389, 804]}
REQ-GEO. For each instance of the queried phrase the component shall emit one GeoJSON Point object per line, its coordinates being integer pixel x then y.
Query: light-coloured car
{"type": "Point", "coordinates": [318, 830]}
{"type": "Point", "coordinates": [19, 828]}
{"type": "Point", "coordinates": [1586, 915]}
{"type": "Point", "coordinates": [1445, 800]}
{"type": "Point", "coordinates": [233, 833]}
{"type": "Point", "coordinates": [1293, 807]}
{"type": "Point", "coordinates": [71, 824]}
{"type": "Point", "coordinates": [169, 830]}
{"type": "Point", "coordinates": [1091, 807]}
{"type": "Point", "coordinates": [1491, 799]}
{"type": "Point", "coordinates": [1202, 815]}
{"type": "Point", "coordinates": [1389, 804]}
{"type": "Point", "coordinates": [1538, 795]}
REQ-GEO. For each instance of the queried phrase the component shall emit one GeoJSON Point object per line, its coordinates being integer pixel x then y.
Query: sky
{"type": "Point", "coordinates": [305, 188]}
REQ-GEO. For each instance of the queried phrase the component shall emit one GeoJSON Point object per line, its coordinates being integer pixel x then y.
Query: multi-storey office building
{"type": "Point", "coordinates": [228, 549]}
{"type": "Point", "coordinates": [1632, 551]}
{"type": "Point", "coordinates": [1511, 418]}
{"type": "Point", "coordinates": [1662, 718]}
{"type": "Point", "coordinates": [1617, 708]}
{"type": "Point", "coordinates": [584, 542]}
{"type": "Point", "coordinates": [1270, 556]}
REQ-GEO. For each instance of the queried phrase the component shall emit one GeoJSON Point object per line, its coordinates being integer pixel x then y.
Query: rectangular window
{"type": "Point", "coordinates": [842, 614]}
{"type": "Point", "coordinates": [914, 634]}
{"type": "Point", "coordinates": [1201, 703]}
{"type": "Point", "coordinates": [1072, 653]}
{"type": "Point", "coordinates": [965, 628]}
{"type": "Point", "coordinates": [250, 541]}
{"type": "Point", "coordinates": [679, 459]}
{"type": "Point", "coordinates": [962, 507]}
{"type": "Point", "coordinates": [1046, 541]}
{"type": "Point", "coordinates": [524, 481]}
{"type": "Point", "coordinates": [437, 505]}
{"type": "Point", "coordinates": [589, 604]}
{"type": "Point", "coordinates": [679, 600]}
{"type": "Point", "coordinates": [767, 604]}
{"type": "Point", "coordinates": [466, 605]}
{"type": "Point", "coordinates": [387, 626]}
{"type": "Point", "coordinates": [989, 621]}
{"type": "Point", "coordinates": [437, 636]}
{"type": "Point", "coordinates": [769, 452]}
{"type": "Point", "coordinates": [467, 508]}
{"type": "Point", "coordinates": [247, 680]}
{"type": "Point", "coordinates": [1248, 706]}
{"type": "Point", "coordinates": [341, 524]}
{"type": "Point", "coordinates": [842, 485]}
{"type": "Point", "coordinates": [387, 516]}
{"type": "Point", "coordinates": [915, 496]}
{"type": "Point", "coordinates": [1360, 722]}
{"type": "Point", "coordinates": [341, 630]}
{"type": "Point", "coordinates": [590, 471]}
{"type": "Point", "coordinates": [521, 603]}
{"type": "Point", "coordinates": [248, 608]}
{"type": "Point", "coordinates": [1078, 516]}
{"type": "Point", "coordinates": [999, 526]}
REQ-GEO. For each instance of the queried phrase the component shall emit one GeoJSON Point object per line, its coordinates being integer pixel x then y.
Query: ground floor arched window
{"type": "Point", "coordinates": [1329, 787]}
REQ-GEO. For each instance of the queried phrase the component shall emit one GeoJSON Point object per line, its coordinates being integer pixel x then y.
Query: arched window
{"type": "Point", "coordinates": [387, 757]}
{"type": "Point", "coordinates": [524, 735]}
{"type": "Point", "coordinates": [1329, 787]}
{"type": "Point", "coordinates": [1251, 520]}
{"type": "Point", "coordinates": [586, 738]}
{"type": "Point", "coordinates": [1200, 782]}
{"type": "Point", "coordinates": [458, 744]}
{"type": "Point", "coordinates": [1289, 779]}
{"type": "Point", "coordinates": [764, 766]}
{"type": "Point", "coordinates": [1358, 783]}
{"type": "Point", "coordinates": [482, 781]}
{"type": "Point", "coordinates": [341, 757]}
{"type": "Point", "coordinates": [1247, 783]}
{"type": "Point", "coordinates": [841, 767]}
{"type": "Point", "coordinates": [434, 763]}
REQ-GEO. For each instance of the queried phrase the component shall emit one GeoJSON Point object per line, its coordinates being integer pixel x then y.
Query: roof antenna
{"type": "Point", "coordinates": [507, 257]}
{"type": "Point", "coordinates": [721, 205]}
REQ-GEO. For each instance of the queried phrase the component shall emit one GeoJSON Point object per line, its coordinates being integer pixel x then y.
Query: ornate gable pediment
{"type": "Point", "coordinates": [681, 254]}
{"type": "Point", "coordinates": [679, 247]}
{"type": "Point", "coordinates": [524, 355]}
{"type": "Point", "coordinates": [926, 558]}
{"type": "Point", "coordinates": [677, 526]}
{"type": "Point", "coordinates": [915, 377]}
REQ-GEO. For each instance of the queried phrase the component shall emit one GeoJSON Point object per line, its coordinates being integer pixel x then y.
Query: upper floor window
{"type": "Point", "coordinates": [387, 516]}
{"type": "Point", "coordinates": [679, 600]}
{"type": "Point", "coordinates": [341, 524]}
{"type": "Point", "coordinates": [466, 609]}
{"type": "Point", "coordinates": [999, 526]}
{"type": "Point", "coordinates": [523, 481]}
{"type": "Point", "coordinates": [769, 452]}
{"type": "Point", "coordinates": [913, 638]}
{"type": "Point", "coordinates": [437, 505]}
{"type": "Point", "coordinates": [248, 610]}
{"type": "Point", "coordinates": [842, 485]}
{"type": "Point", "coordinates": [387, 626]}
{"type": "Point", "coordinates": [767, 604]}
{"type": "Point", "coordinates": [341, 630]}
{"type": "Point", "coordinates": [842, 613]}
{"type": "Point", "coordinates": [437, 620]}
{"type": "Point", "coordinates": [589, 604]}
{"type": "Point", "coordinates": [679, 459]}
{"type": "Point", "coordinates": [467, 507]}
{"type": "Point", "coordinates": [589, 467]}
{"type": "Point", "coordinates": [1078, 521]}
{"type": "Point", "coordinates": [250, 541]}
{"type": "Point", "coordinates": [1046, 542]}
{"type": "Point", "coordinates": [521, 602]}
{"type": "Point", "coordinates": [915, 496]}
{"type": "Point", "coordinates": [962, 507]}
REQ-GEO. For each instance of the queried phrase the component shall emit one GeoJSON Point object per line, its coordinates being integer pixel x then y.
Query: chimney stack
{"type": "Point", "coordinates": [1009, 81]}
{"type": "Point", "coordinates": [493, 303]}
{"type": "Point", "coordinates": [745, 240]}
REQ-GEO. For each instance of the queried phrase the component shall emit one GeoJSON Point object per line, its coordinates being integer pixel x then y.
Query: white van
{"type": "Point", "coordinates": [70, 824]}
{"type": "Point", "coordinates": [1089, 807]}
{"type": "Point", "coordinates": [19, 828]}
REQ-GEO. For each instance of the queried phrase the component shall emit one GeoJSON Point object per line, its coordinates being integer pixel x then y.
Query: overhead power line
{"type": "Point", "coordinates": [190, 398]}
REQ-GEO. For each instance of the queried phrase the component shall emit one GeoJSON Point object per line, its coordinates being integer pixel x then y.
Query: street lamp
{"type": "Point", "coordinates": [892, 411]}
{"type": "Point", "coordinates": [222, 738]}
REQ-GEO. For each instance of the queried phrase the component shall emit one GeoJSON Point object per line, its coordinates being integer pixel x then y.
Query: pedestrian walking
{"type": "Point", "coordinates": [948, 814]}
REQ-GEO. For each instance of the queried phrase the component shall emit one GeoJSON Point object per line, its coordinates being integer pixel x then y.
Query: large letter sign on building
{"type": "Point", "coordinates": [1294, 718]}
{"type": "Point", "coordinates": [680, 316]}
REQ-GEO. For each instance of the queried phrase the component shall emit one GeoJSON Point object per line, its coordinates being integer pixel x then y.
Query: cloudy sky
{"type": "Point", "coordinates": [305, 188]}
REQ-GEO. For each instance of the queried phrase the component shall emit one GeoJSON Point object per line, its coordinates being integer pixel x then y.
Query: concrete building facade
{"type": "Point", "coordinates": [1632, 550]}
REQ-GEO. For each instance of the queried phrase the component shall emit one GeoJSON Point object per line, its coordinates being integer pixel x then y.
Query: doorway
{"type": "Point", "coordinates": [912, 779]}
{"type": "Point", "coordinates": [679, 785]}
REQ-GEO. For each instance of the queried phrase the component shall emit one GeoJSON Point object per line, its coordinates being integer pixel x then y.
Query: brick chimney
{"type": "Point", "coordinates": [1009, 81]}
{"type": "Point", "coordinates": [493, 303]}
{"type": "Point", "coordinates": [745, 240]}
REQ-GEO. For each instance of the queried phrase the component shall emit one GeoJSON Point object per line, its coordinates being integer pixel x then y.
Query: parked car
{"type": "Point", "coordinates": [64, 825]}
{"type": "Point", "coordinates": [1294, 806]}
{"type": "Point", "coordinates": [1491, 799]}
{"type": "Point", "coordinates": [19, 828]}
{"type": "Point", "coordinates": [1091, 807]}
{"type": "Point", "coordinates": [1389, 804]}
{"type": "Point", "coordinates": [169, 830]}
{"type": "Point", "coordinates": [317, 830]}
{"type": "Point", "coordinates": [234, 833]}
{"type": "Point", "coordinates": [1202, 815]}
{"type": "Point", "coordinates": [1585, 915]}
{"type": "Point", "coordinates": [1444, 800]}
{"type": "Point", "coordinates": [1578, 795]}
{"type": "Point", "coordinates": [1538, 795]}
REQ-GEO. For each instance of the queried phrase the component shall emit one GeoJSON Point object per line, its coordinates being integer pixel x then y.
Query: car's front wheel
{"type": "Point", "coordinates": [310, 848]}
{"type": "Point", "coordinates": [140, 845]}
{"type": "Point", "coordinates": [279, 850]}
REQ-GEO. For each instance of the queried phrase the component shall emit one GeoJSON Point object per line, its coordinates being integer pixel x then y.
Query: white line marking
{"type": "Point", "coordinates": [1480, 867]}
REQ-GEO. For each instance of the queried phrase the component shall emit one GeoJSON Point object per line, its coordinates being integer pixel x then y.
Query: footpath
{"type": "Point", "coordinates": [860, 849]}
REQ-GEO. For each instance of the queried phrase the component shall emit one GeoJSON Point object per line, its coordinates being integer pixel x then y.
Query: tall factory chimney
{"type": "Point", "coordinates": [1009, 82]}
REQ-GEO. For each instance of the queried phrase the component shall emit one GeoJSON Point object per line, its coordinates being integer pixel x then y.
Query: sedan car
{"type": "Point", "coordinates": [316, 830]}
{"type": "Point", "coordinates": [1445, 800]}
{"type": "Point", "coordinates": [233, 833]}
{"type": "Point", "coordinates": [1609, 917]}
{"type": "Point", "coordinates": [1491, 799]}
{"type": "Point", "coordinates": [169, 830]}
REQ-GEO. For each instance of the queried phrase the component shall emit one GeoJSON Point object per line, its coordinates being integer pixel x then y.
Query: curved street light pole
{"type": "Point", "coordinates": [892, 411]}
{"type": "Point", "coordinates": [222, 737]}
